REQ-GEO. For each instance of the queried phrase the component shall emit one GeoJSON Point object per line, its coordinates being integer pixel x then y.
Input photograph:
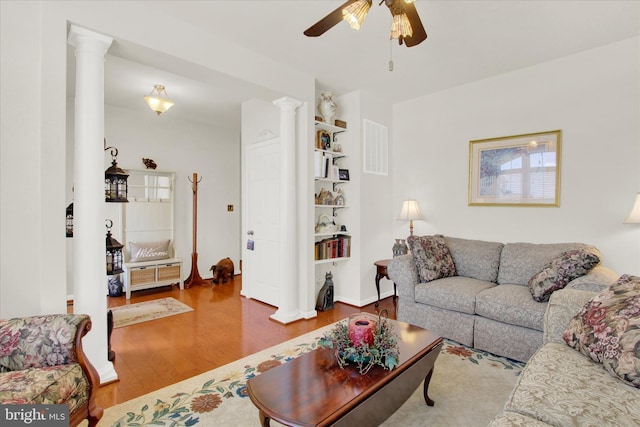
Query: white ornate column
{"type": "Point", "coordinates": [288, 309]}
{"type": "Point", "coordinates": [89, 269]}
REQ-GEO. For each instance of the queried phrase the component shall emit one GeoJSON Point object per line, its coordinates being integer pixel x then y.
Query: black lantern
{"type": "Point", "coordinates": [115, 180]}
{"type": "Point", "coordinates": [69, 220]}
{"type": "Point", "coordinates": [114, 252]}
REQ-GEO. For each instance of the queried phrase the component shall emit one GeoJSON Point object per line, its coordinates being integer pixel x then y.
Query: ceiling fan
{"type": "Point", "coordinates": [406, 25]}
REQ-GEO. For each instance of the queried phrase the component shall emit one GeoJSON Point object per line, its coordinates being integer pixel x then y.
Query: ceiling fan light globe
{"type": "Point", "coordinates": [356, 12]}
{"type": "Point", "coordinates": [400, 27]}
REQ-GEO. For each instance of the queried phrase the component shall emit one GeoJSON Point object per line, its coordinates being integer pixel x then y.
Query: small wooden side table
{"type": "Point", "coordinates": [381, 271]}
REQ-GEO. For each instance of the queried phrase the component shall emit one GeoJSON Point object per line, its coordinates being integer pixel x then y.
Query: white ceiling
{"type": "Point", "coordinates": [467, 41]}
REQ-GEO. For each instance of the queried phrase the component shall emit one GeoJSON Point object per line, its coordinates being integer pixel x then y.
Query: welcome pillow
{"type": "Point", "coordinates": [560, 271]}
{"type": "Point", "coordinates": [607, 329]}
{"type": "Point", "coordinates": [432, 257]}
{"type": "Point", "coordinates": [150, 251]}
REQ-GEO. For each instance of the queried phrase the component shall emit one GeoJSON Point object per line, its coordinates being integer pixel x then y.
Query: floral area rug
{"type": "Point", "coordinates": [131, 314]}
{"type": "Point", "coordinates": [469, 388]}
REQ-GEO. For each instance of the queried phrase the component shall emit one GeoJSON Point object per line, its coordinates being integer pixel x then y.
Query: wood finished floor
{"type": "Point", "coordinates": [224, 326]}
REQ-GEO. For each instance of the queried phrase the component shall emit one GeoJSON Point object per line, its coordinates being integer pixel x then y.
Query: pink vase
{"type": "Point", "coordinates": [362, 327]}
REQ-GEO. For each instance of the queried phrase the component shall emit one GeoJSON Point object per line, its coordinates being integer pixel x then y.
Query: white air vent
{"type": "Point", "coordinates": [376, 148]}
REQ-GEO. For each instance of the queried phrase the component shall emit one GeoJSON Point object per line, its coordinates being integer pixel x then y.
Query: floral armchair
{"type": "Point", "coordinates": [42, 362]}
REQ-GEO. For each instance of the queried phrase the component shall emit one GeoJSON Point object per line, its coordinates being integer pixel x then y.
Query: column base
{"type": "Point", "coordinates": [285, 318]}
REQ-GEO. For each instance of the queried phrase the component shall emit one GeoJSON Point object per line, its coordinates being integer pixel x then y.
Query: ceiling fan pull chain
{"type": "Point", "coordinates": [390, 54]}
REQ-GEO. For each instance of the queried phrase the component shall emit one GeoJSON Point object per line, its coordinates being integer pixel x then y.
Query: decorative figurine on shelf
{"type": "Point", "coordinates": [325, 296]}
{"type": "Point", "coordinates": [339, 199]}
{"type": "Point", "coordinates": [337, 148]}
{"type": "Point", "coordinates": [321, 196]}
{"type": "Point", "coordinates": [327, 107]}
{"type": "Point", "coordinates": [328, 198]}
{"type": "Point", "coordinates": [149, 163]}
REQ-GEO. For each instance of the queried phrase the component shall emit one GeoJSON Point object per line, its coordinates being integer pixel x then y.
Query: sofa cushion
{"type": "Point", "coordinates": [148, 251]}
{"type": "Point", "coordinates": [452, 293]}
{"type": "Point", "coordinates": [607, 329]}
{"type": "Point", "coordinates": [49, 385]}
{"type": "Point", "coordinates": [432, 257]}
{"type": "Point", "coordinates": [475, 258]}
{"type": "Point", "coordinates": [560, 271]}
{"type": "Point", "coordinates": [511, 304]}
{"type": "Point", "coordinates": [561, 387]}
{"type": "Point", "coordinates": [520, 261]}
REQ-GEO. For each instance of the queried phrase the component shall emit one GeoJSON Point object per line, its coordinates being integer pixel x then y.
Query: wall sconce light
{"type": "Point", "coordinates": [115, 179]}
{"type": "Point", "coordinates": [410, 212]}
{"type": "Point", "coordinates": [159, 102]}
{"type": "Point", "coordinates": [69, 220]}
{"type": "Point", "coordinates": [114, 252]}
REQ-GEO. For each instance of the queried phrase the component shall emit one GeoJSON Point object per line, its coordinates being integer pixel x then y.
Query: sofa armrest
{"type": "Point", "coordinates": [563, 305]}
{"type": "Point", "coordinates": [403, 272]}
{"type": "Point", "coordinates": [597, 279]}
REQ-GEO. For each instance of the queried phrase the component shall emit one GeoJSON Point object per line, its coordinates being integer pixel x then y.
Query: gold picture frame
{"type": "Point", "coordinates": [519, 170]}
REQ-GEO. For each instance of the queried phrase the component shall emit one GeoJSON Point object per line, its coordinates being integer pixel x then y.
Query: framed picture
{"type": "Point", "coordinates": [343, 174]}
{"type": "Point", "coordinates": [520, 170]}
{"type": "Point", "coordinates": [323, 140]}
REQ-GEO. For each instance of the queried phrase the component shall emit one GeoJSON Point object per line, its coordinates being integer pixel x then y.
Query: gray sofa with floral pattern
{"type": "Point", "coordinates": [484, 300]}
{"type": "Point", "coordinates": [594, 384]}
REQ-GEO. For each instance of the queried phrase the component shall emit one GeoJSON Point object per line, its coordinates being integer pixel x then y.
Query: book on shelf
{"type": "Point", "coordinates": [323, 165]}
{"type": "Point", "coordinates": [334, 247]}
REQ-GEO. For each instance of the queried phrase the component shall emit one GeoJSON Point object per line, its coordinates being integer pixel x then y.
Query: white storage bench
{"type": "Point", "coordinates": [152, 274]}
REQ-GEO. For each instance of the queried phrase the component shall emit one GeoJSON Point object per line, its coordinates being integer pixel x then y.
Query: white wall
{"type": "Point", "coordinates": [32, 245]}
{"type": "Point", "coordinates": [593, 97]}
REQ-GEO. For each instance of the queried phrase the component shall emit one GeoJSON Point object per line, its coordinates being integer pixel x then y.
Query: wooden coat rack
{"type": "Point", "coordinates": [194, 277]}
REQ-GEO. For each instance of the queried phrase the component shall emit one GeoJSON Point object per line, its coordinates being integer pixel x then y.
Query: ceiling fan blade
{"type": "Point", "coordinates": [327, 22]}
{"type": "Point", "coordinates": [419, 33]}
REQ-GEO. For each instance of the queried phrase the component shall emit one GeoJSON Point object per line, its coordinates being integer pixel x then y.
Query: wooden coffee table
{"type": "Point", "coordinates": [312, 390]}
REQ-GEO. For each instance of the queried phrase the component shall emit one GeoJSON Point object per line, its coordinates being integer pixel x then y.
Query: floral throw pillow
{"type": "Point", "coordinates": [432, 257]}
{"type": "Point", "coordinates": [559, 272]}
{"type": "Point", "coordinates": [607, 329]}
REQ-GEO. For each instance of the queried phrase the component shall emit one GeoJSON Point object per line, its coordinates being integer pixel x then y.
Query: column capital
{"type": "Point", "coordinates": [287, 103]}
{"type": "Point", "coordinates": [78, 36]}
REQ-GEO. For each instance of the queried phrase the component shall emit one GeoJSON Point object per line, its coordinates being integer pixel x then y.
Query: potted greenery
{"type": "Point", "coordinates": [365, 340]}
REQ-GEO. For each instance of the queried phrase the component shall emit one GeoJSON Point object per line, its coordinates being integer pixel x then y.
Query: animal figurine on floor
{"type": "Point", "coordinates": [223, 269]}
{"type": "Point", "coordinates": [325, 296]}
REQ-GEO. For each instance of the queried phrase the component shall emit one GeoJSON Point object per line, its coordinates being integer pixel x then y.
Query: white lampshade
{"type": "Point", "coordinates": [634, 215]}
{"type": "Point", "coordinates": [410, 211]}
{"type": "Point", "coordinates": [159, 102]}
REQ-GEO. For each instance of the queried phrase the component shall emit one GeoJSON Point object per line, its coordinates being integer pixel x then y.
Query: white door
{"type": "Point", "coordinates": [261, 262]}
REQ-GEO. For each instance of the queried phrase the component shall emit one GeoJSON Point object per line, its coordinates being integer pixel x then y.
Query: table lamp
{"type": "Point", "coordinates": [634, 215]}
{"type": "Point", "coordinates": [410, 211]}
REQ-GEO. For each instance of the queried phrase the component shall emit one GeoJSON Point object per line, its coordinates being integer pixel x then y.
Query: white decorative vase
{"type": "Point", "coordinates": [327, 107]}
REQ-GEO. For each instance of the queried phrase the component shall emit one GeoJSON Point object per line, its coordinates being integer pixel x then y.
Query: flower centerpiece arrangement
{"type": "Point", "coordinates": [364, 339]}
